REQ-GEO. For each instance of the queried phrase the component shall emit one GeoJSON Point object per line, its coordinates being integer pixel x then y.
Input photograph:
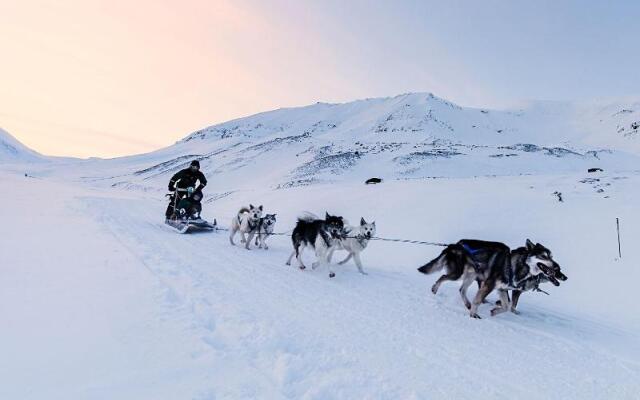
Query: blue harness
{"type": "Point", "coordinates": [470, 250]}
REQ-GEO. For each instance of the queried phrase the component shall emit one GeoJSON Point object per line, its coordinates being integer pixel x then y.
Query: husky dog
{"type": "Point", "coordinates": [519, 257]}
{"type": "Point", "coordinates": [356, 241]}
{"type": "Point", "coordinates": [265, 228]}
{"type": "Point", "coordinates": [323, 235]}
{"type": "Point", "coordinates": [494, 266]}
{"type": "Point", "coordinates": [246, 222]}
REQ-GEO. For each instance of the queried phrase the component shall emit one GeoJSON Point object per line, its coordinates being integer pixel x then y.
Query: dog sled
{"type": "Point", "coordinates": [186, 212]}
{"type": "Point", "coordinates": [191, 225]}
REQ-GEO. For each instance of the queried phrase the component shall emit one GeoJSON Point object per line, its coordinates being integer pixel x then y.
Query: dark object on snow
{"type": "Point", "coordinates": [186, 226]}
{"type": "Point", "coordinates": [372, 181]}
{"type": "Point", "coordinates": [495, 266]}
{"type": "Point", "coordinates": [189, 207]}
{"type": "Point", "coordinates": [312, 232]}
{"type": "Point", "coordinates": [187, 213]}
{"type": "Point", "coordinates": [559, 196]}
{"type": "Point", "coordinates": [618, 229]}
{"type": "Point", "coordinates": [188, 177]}
{"type": "Point", "coordinates": [595, 170]}
{"type": "Point", "coordinates": [181, 181]}
{"type": "Point", "coordinates": [183, 211]}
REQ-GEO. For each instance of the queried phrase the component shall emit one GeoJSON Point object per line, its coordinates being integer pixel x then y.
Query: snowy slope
{"type": "Point", "coordinates": [412, 136]}
{"type": "Point", "coordinates": [12, 151]}
{"type": "Point", "coordinates": [100, 300]}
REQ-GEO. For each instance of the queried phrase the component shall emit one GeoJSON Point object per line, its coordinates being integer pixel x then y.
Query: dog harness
{"type": "Point", "coordinates": [470, 250]}
{"type": "Point", "coordinates": [362, 240]}
{"type": "Point", "coordinates": [251, 226]}
{"type": "Point", "coordinates": [259, 226]}
{"type": "Point", "coordinates": [510, 274]}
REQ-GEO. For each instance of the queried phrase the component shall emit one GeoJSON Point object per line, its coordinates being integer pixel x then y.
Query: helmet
{"type": "Point", "coordinates": [195, 163]}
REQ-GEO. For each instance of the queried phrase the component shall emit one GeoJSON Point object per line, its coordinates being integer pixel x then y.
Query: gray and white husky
{"type": "Point", "coordinates": [265, 229]}
{"type": "Point", "coordinates": [519, 257]}
{"type": "Point", "coordinates": [494, 266]}
{"type": "Point", "coordinates": [245, 222]}
{"type": "Point", "coordinates": [356, 241]}
{"type": "Point", "coordinates": [322, 235]}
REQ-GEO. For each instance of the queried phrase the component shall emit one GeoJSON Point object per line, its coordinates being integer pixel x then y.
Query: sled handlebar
{"type": "Point", "coordinates": [182, 190]}
{"type": "Point", "coordinates": [177, 189]}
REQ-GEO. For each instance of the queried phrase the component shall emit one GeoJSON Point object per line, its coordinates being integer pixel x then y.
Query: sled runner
{"type": "Point", "coordinates": [186, 212]}
{"type": "Point", "coordinates": [190, 225]}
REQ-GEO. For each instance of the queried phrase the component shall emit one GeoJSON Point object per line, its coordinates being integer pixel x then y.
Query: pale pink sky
{"type": "Point", "coordinates": [116, 77]}
{"type": "Point", "coordinates": [106, 78]}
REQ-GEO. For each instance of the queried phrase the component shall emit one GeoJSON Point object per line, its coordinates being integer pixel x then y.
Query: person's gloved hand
{"type": "Point", "coordinates": [171, 187]}
{"type": "Point", "coordinates": [190, 190]}
{"type": "Point", "coordinates": [200, 187]}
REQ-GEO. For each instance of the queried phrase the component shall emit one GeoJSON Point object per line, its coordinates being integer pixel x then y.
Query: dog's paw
{"type": "Point", "coordinates": [497, 310]}
{"type": "Point", "coordinates": [434, 289]}
{"type": "Point", "coordinates": [364, 273]}
{"type": "Point", "coordinates": [314, 265]}
{"type": "Point", "coordinates": [302, 267]}
{"type": "Point", "coordinates": [468, 305]}
{"type": "Point", "coordinates": [516, 312]}
{"type": "Point", "coordinates": [475, 315]}
{"type": "Point", "coordinates": [266, 247]}
{"type": "Point", "coordinates": [332, 274]}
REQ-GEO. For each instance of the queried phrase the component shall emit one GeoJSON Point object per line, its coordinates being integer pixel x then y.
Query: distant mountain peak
{"type": "Point", "coordinates": [12, 151]}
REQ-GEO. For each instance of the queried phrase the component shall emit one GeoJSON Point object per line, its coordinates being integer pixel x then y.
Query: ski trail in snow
{"type": "Point", "coordinates": [297, 334]}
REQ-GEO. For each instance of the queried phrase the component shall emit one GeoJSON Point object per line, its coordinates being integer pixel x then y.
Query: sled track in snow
{"type": "Point", "coordinates": [296, 334]}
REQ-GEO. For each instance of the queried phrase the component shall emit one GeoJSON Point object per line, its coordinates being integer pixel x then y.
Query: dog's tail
{"type": "Point", "coordinates": [243, 210]}
{"type": "Point", "coordinates": [308, 217]}
{"type": "Point", "coordinates": [437, 263]}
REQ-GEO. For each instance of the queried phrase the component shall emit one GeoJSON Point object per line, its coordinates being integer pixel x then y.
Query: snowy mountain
{"type": "Point", "coordinates": [411, 136]}
{"type": "Point", "coordinates": [12, 151]}
{"type": "Point", "coordinates": [101, 300]}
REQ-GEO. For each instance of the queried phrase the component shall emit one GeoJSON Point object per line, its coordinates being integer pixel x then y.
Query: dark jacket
{"type": "Point", "coordinates": [187, 178]}
{"type": "Point", "coordinates": [190, 206]}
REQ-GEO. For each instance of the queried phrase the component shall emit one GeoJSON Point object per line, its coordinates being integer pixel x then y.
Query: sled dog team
{"type": "Point", "coordinates": [492, 265]}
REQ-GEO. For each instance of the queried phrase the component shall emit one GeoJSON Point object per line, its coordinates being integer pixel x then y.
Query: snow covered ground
{"type": "Point", "coordinates": [100, 300]}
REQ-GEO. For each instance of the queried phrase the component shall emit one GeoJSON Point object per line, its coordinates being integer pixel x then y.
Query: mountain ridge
{"type": "Point", "coordinates": [13, 151]}
{"type": "Point", "coordinates": [408, 136]}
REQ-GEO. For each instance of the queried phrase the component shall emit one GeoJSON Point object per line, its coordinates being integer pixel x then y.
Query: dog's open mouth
{"type": "Point", "coordinates": [548, 272]}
